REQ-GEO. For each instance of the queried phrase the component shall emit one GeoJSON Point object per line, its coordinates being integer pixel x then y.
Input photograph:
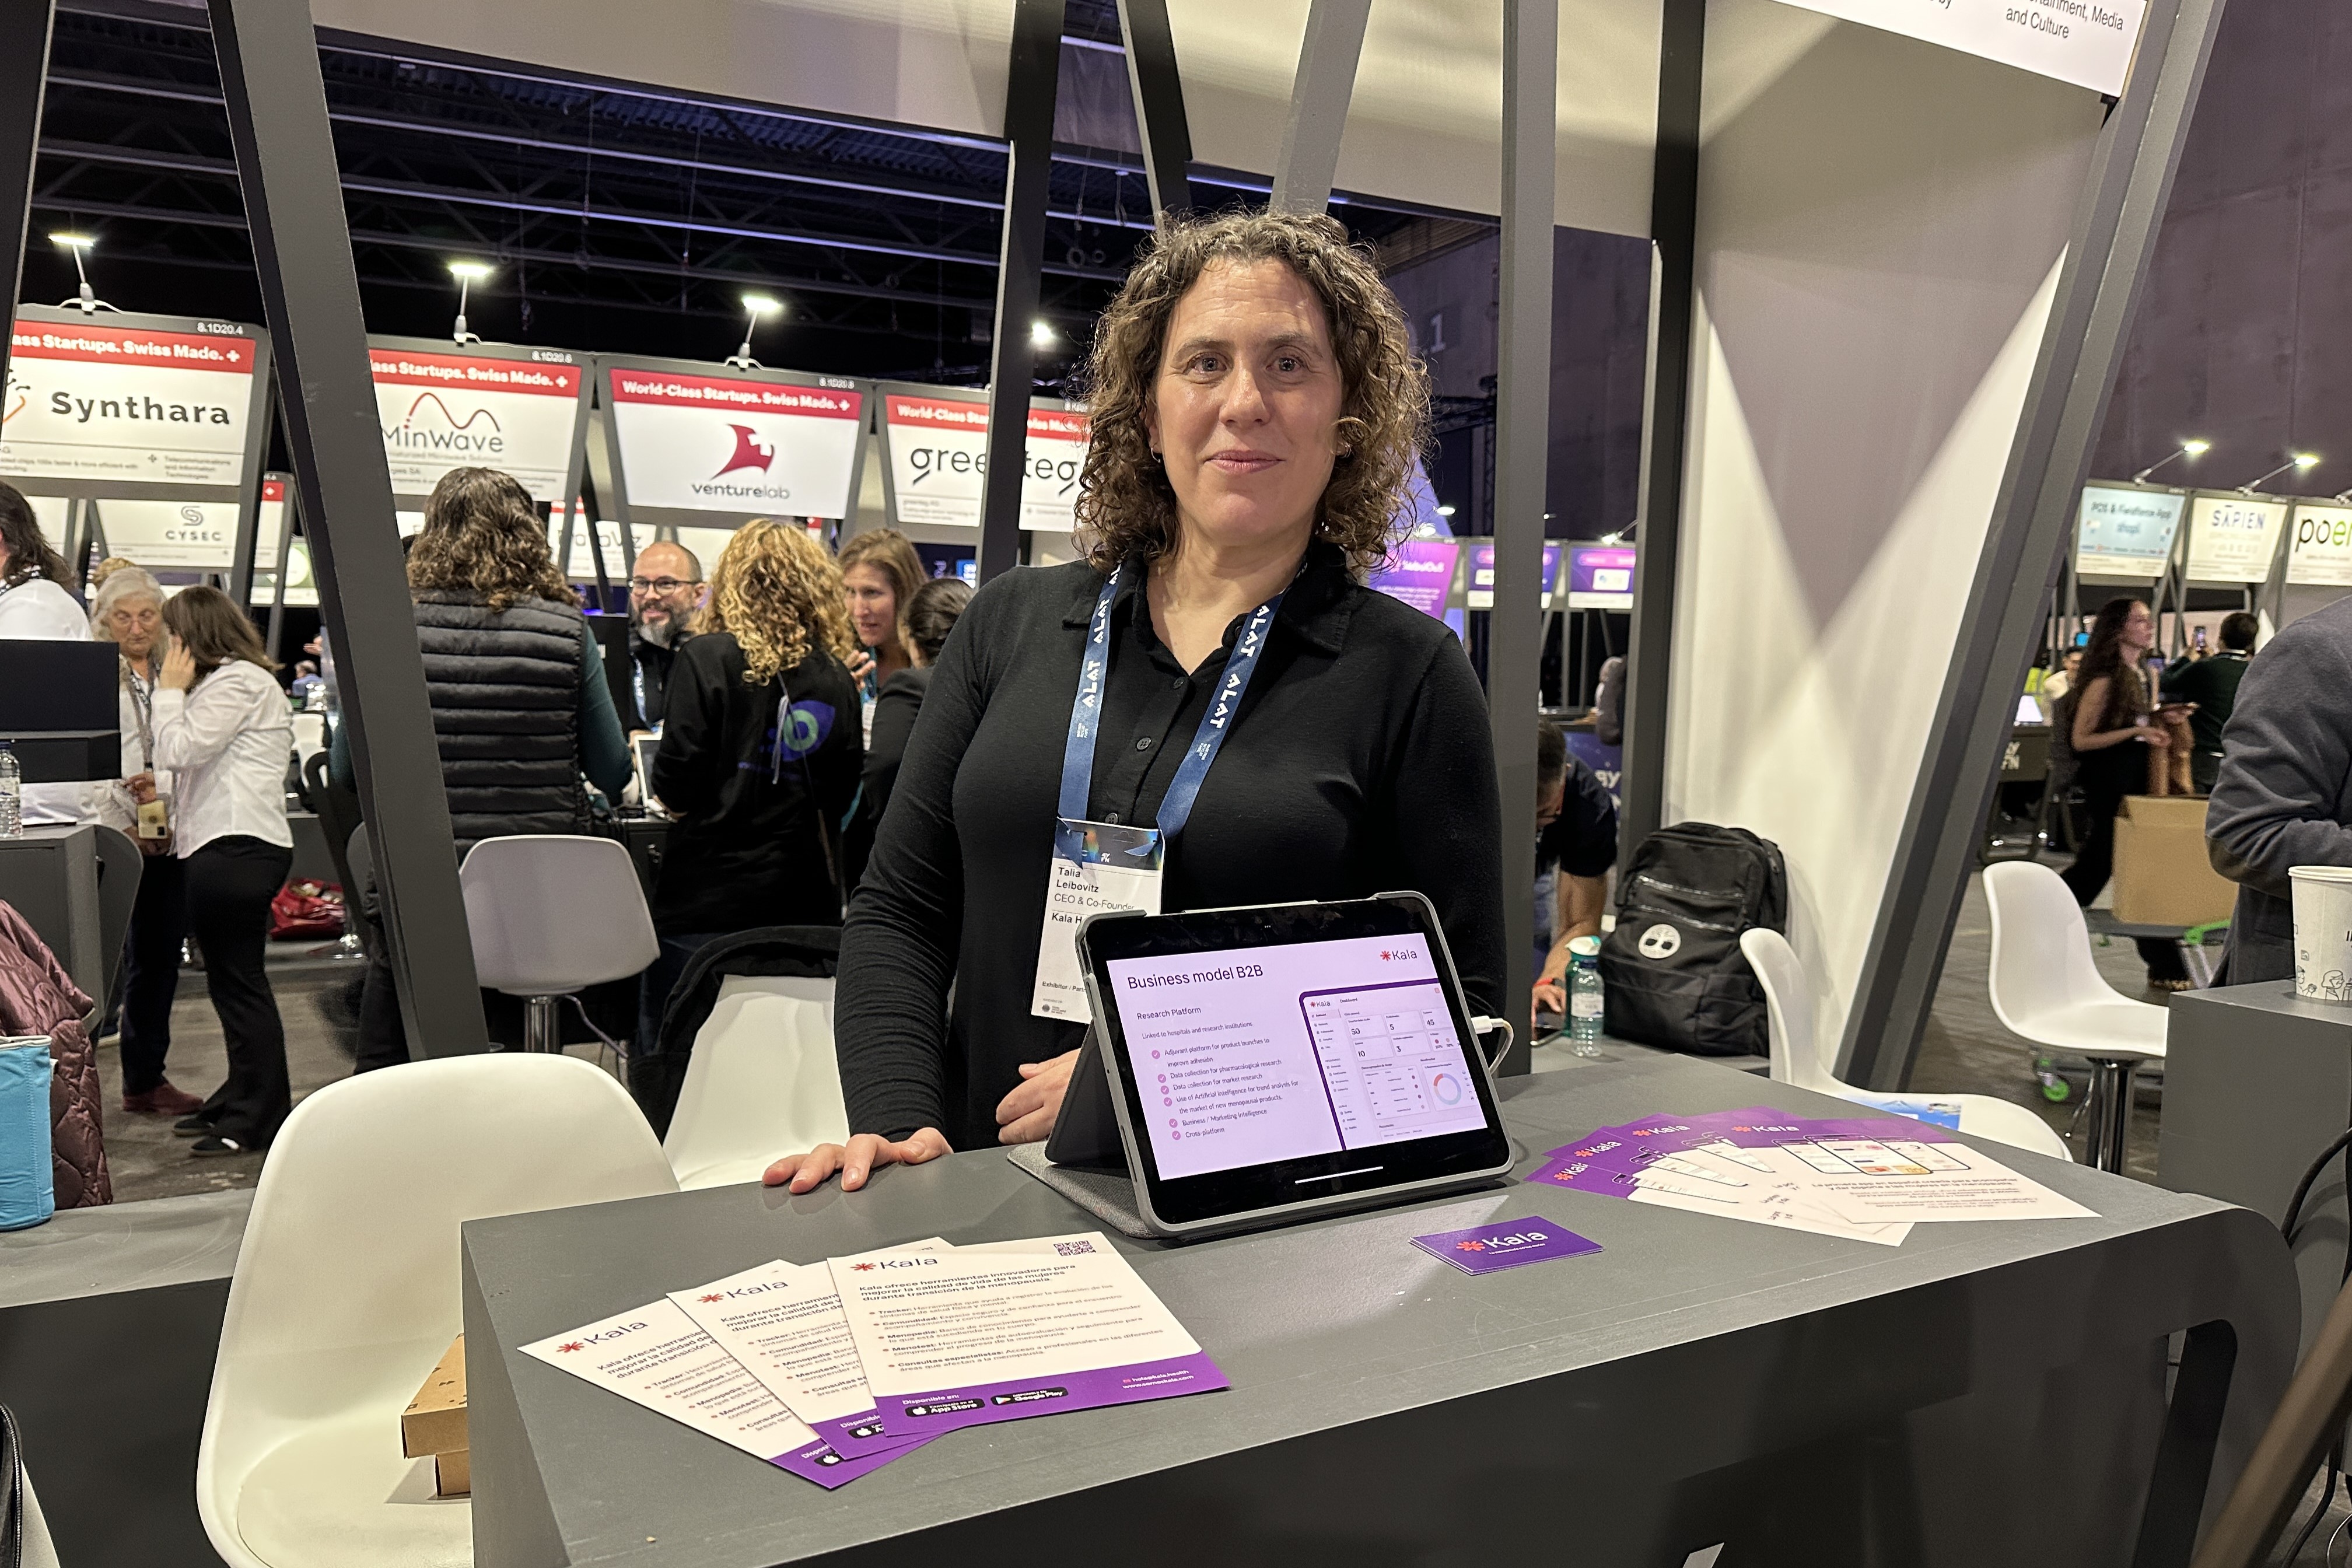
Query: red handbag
{"type": "Point", "coordinates": [306, 909]}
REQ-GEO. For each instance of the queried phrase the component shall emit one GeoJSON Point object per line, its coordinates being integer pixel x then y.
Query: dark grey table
{"type": "Point", "coordinates": [2257, 1081]}
{"type": "Point", "coordinates": [1986, 1393]}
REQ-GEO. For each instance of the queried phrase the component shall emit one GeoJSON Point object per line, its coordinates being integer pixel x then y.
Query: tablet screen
{"type": "Point", "coordinates": [1258, 1055]}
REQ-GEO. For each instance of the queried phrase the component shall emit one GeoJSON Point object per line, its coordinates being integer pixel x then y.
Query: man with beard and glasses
{"type": "Point", "coordinates": [664, 595]}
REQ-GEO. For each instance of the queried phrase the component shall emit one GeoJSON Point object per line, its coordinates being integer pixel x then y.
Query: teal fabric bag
{"type": "Point", "coordinates": [28, 1189]}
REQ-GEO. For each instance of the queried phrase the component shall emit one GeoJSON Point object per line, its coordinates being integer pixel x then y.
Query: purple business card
{"type": "Point", "coordinates": [1506, 1244]}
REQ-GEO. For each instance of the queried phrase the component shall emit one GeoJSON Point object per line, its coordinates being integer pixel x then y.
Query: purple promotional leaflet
{"type": "Point", "coordinates": [656, 1356]}
{"type": "Point", "coordinates": [1420, 573]}
{"type": "Point", "coordinates": [1070, 1329]}
{"type": "Point", "coordinates": [1504, 1244]}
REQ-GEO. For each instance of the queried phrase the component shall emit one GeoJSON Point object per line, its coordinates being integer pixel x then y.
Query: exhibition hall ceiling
{"type": "Point", "coordinates": [619, 215]}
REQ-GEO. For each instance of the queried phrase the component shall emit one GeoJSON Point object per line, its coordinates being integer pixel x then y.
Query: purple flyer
{"type": "Point", "coordinates": [1418, 572]}
{"type": "Point", "coordinates": [822, 1463]}
{"type": "Point", "coordinates": [1506, 1244]}
{"type": "Point", "coordinates": [920, 1417]}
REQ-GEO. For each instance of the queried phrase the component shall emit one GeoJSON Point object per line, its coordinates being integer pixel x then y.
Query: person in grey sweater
{"type": "Point", "coordinates": [2283, 797]}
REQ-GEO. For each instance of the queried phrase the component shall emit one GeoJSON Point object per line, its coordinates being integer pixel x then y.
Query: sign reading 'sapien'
{"type": "Point", "coordinates": [2086, 42]}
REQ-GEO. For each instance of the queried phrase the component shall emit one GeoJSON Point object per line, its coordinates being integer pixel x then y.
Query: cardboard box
{"type": "Point", "coordinates": [2162, 875]}
{"type": "Point", "coordinates": [453, 1474]}
{"type": "Point", "coordinates": [434, 1421]}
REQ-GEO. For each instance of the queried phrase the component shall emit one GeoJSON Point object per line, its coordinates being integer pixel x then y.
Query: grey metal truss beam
{"type": "Point", "coordinates": [2116, 226]}
{"type": "Point", "coordinates": [1030, 88]}
{"type": "Point", "coordinates": [1160, 120]}
{"type": "Point", "coordinates": [1674, 239]}
{"type": "Point", "coordinates": [1309, 160]}
{"type": "Point", "coordinates": [1523, 435]}
{"type": "Point", "coordinates": [302, 252]}
{"type": "Point", "coordinates": [24, 70]}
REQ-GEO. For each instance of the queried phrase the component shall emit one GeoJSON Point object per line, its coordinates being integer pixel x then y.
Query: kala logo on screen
{"type": "Point", "coordinates": [430, 426]}
{"type": "Point", "coordinates": [751, 452]}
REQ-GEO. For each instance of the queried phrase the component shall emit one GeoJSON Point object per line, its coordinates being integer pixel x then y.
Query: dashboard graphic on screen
{"type": "Point", "coordinates": [1252, 1055]}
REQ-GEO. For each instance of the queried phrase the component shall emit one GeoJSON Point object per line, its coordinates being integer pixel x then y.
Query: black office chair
{"type": "Point", "coordinates": [339, 818]}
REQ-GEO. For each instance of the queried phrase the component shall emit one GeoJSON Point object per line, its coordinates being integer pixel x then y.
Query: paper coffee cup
{"type": "Point", "coordinates": [2323, 932]}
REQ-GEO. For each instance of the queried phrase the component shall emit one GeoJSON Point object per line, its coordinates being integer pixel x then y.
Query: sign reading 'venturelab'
{"type": "Point", "coordinates": [444, 409]}
{"type": "Point", "coordinates": [2086, 42]}
{"type": "Point", "coordinates": [106, 404]}
{"type": "Point", "coordinates": [938, 459]}
{"type": "Point", "coordinates": [2233, 538]}
{"type": "Point", "coordinates": [740, 444]}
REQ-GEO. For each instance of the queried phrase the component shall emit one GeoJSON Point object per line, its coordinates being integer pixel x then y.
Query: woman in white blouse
{"type": "Point", "coordinates": [223, 730]}
{"type": "Point", "coordinates": [35, 603]}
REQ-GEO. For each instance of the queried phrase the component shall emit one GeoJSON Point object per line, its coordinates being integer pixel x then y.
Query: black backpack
{"type": "Point", "coordinates": [1671, 971]}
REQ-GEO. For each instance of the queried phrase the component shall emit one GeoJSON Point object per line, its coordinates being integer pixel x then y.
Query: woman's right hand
{"type": "Point", "coordinates": [860, 664]}
{"type": "Point", "coordinates": [856, 1160]}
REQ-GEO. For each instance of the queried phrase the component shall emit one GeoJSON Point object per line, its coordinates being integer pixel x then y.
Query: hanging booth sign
{"type": "Point", "coordinates": [170, 536]}
{"type": "Point", "coordinates": [709, 444]}
{"type": "Point", "coordinates": [2231, 538]}
{"type": "Point", "coordinates": [935, 441]}
{"type": "Point", "coordinates": [1601, 577]}
{"type": "Point", "coordinates": [486, 406]}
{"type": "Point", "coordinates": [1418, 572]}
{"type": "Point", "coordinates": [2122, 531]}
{"type": "Point", "coordinates": [2319, 546]}
{"type": "Point", "coordinates": [580, 561]}
{"type": "Point", "coordinates": [133, 408]}
{"type": "Point", "coordinates": [2086, 42]}
{"type": "Point", "coordinates": [268, 530]}
{"type": "Point", "coordinates": [1481, 574]}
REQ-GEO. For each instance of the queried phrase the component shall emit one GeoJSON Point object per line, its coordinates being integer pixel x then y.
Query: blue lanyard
{"type": "Point", "coordinates": [1085, 714]}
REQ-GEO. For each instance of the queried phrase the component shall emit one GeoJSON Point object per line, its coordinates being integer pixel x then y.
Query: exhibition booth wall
{"type": "Point", "coordinates": [1880, 228]}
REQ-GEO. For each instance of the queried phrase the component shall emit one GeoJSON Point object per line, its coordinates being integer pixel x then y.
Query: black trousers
{"type": "Point", "coordinates": [151, 970]}
{"type": "Point", "coordinates": [230, 884]}
{"type": "Point", "coordinates": [2095, 862]}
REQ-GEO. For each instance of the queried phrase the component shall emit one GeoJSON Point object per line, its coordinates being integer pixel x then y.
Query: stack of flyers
{"type": "Point", "coordinates": [1867, 1178]}
{"type": "Point", "coordinates": [832, 1370]}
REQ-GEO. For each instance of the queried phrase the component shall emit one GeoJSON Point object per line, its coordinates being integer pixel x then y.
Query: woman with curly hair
{"type": "Point", "coordinates": [1257, 410]}
{"type": "Point", "coordinates": [520, 708]}
{"type": "Point", "coordinates": [760, 756]}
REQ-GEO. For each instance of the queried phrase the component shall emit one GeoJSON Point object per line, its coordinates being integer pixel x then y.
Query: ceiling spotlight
{"type": "Point", "coordinates": [84, 299]}
{"type": "Point", "coordinates": [1042, 334]}
{"type": "Point", "coordinates": [1446, 511]}
{"type": "Point", "coordinates": [2300, 462]}
{"type": "Point", "coordinates": [467, 274]}
{"type": "Point", "coordinates": [757, 308]}
{"type": "Point", "coordinates": [2192, 448]}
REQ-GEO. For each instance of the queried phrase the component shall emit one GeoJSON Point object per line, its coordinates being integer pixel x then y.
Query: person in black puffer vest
{"type": "Point", "coordinates": [520, 708]}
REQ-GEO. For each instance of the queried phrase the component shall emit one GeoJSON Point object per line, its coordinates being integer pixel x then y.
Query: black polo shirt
{"type": "Point", "coordinates": [1582, 839]}
{"type": "Point", "coordinates": [1358, 761]}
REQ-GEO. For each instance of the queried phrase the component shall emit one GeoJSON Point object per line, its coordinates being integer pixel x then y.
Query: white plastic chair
{"type": "Point", "coordinates": [346, 1294]}
{"type": "Point", "coordinates": [1799, 1058]}
{"type": "Point", "coordinates": [2046, 988]}
{"type": "Point", "coordinates": [762, 1081]}
{"type": "Point", "coordinates": [40, 1551]}
{"type": "Point", "coordinates": [552, 914]}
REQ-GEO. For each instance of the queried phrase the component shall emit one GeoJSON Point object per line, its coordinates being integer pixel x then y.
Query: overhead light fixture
{"type": "Point", "coordinates": [84, 299]}
{"type": "Point", "coordinates": [757, 308]}
{"type": "Point", "coordinates": [467, 274]}
{"type": "Point", "coordinates": [1446, 511]}
{"type": "Point", "coordinates": [2193, 449]}
{"type": "Point", "coordinates": [1613, 538]}
{"type": "Point", "coordinates": [1043, 335]}
{"type": "Point", "coordinates": [2300, 462]}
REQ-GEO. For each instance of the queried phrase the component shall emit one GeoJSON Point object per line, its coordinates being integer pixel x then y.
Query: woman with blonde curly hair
{"type": "Point", "coordinates": [520, 708]}
{"type": "Point", "coordinates": [760, 756]}
{"type": "Point", "coordinates": [1257, 409]}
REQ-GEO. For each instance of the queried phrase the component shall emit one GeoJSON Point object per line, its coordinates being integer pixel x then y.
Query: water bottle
{"type": "Point", "coordinates": [12, 795]}
{"type": "Point", "coordinates": [1584, 999]}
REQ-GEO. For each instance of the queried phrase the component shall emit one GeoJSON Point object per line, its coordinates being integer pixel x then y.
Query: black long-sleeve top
{"type": "Point", "coordinates": [1359, 763]}
{"type": "Point", "coordinates": [753, 843]}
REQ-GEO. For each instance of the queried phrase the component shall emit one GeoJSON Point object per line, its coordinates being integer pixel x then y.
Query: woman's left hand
{"type": "Point", "coordinates": [179, 668]}
{"type": "Point", "coordinates": [1027, 1114]}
